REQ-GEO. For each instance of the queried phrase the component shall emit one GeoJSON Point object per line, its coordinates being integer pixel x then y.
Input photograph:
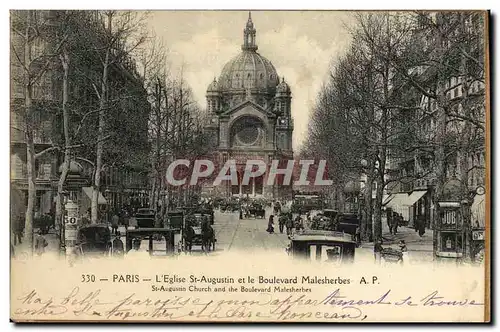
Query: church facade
{"type": "Point", "coordinates": [249, 117]}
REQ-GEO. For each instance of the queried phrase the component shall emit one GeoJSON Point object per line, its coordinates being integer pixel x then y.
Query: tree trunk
{"type": "Point", "coordinates": [367, 204]}
{"type": "Point", "coordinates": [30, 168]}
{"type": "Point", "coordinates": [152, 193]}
{"type": "Point", "coordinates": [441, 101]}
{"type": "Point", "coordinates": [65, 166]}
{"type": "Point", "coordinates": [377, 215]}
{"type": "Point", "coordinates": [30, 146]}
{"type": "Point", "coordinates": [100, 136]}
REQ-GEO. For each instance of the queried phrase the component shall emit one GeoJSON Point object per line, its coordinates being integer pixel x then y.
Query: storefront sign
{"type": "Point", "coordinates": [478, 235]}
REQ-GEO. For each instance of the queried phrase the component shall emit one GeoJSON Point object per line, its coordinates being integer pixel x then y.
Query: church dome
{"type": "Point", "coordinates": [213, 87]}
{"type": "Point", "coordinates": [249, 69]}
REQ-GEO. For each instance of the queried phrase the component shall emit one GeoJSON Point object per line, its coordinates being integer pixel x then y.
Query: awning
{"type": "Point", "coordinates": [396, 204]}
{"type": "Point", "coordinates": [414, 197]}
{"type": "Point", "coordinates": [88, 192]}
{"type": "Point", "coordinates": [386, 199]}
{"type": "Point", "coordinates": [397, 200]}
{"type": "Point", "coordinates": [477, 210]}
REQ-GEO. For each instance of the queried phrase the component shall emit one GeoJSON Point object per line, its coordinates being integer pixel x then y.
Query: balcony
{"type": "Point", "coordinates": [20, 172]}
{"type": "Point", "coordinates": [407, 187]}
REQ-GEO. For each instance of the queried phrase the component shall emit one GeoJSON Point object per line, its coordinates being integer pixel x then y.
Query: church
{"type": "Point", "coordinates": [249, 117]}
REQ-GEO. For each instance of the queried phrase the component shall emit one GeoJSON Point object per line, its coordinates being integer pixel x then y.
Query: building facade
{"type": "Point", "coordinates": [249, 116]}
{"type": "Point", "coordinates": [121, 183]}
{"type": "Point", "coordinates": [464, 94]}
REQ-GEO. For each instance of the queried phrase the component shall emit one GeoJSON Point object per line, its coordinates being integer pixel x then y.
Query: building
{"type": "Point", "coordinates": [414, 196]}
{"type": "Point", "coordinates": [249, 115]}
{"type": "Point", "coordinates": [121, 183]}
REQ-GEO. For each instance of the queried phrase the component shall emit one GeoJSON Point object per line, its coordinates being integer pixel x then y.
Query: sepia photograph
{"type": "Point", "coordinates": [249, 166]}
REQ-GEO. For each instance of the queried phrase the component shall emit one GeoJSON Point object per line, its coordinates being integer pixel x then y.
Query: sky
{"type": "Point", "coordinates": [300, 44]}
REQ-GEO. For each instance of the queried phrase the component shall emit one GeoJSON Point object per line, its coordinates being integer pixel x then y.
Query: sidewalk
{"type": "Point", "coordinates": [52, 243]}
{"type": "Point", "coordinates": [413, 241]}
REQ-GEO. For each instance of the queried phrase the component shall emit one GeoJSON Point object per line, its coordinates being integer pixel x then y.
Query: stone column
{"type": "Point", "coordinates": [223, 134]}
{"type": "Point", "coordinates": [270, 133]}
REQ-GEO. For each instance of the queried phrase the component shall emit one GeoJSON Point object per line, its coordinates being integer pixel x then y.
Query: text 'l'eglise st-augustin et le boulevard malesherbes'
{"type": "Point", "coordinates": [176, 279]}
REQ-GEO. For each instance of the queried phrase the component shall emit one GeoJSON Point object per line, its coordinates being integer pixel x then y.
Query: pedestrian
{"type": "Point", "coordinates": [289, 225]}
{"type": "Point", "coordinates": [421, 225]}
{"type": "Point", "coordinates": [126, 219]}
{"type": "Point", "coordinates": [241, 212]}
{"type": "Point", "coordinates": [377, 251]}
{"type": "Point", "coordinates": [395, 223]}
{"type": "Point", "coordinates": [40, 243]}
{"type": "Point", "coordinates": [114, 223]}
{"type": "Point", "coordinates": [137, 251]}
{"type": "Point", "coordinates": [117, 244]}
{"type": "Point", "coordinates": [357, 235]}
{"type": "Point", "coordinates": [281, 222]}
{"type": "Point", "coordinates": [299, 224]}
{"type": "Point", "coordinates": [404, 251]}
{"type": "Point", "coordinates": [133, 223]}
{"type": "Point", "coordinates": [270, 225]}
{"type": "Point", "coordinates": [18, 231]}
{"type": "Point", "coordinates": [86, 219]}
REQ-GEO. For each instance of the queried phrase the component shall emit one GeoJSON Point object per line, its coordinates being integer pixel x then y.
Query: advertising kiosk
{"type": "Point", "coordinates": [450, 228]}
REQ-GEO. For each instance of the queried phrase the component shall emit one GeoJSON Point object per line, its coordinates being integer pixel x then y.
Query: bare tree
{"type": "Point", "coordinates": [30, 27]}
{"type": "Point", "coordinates": [122, 35]}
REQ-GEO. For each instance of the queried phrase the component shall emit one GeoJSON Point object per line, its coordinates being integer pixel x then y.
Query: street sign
{"type": "Point", "coordinates": [480, 190]}
{"type": "Point", "coordinates": [478, 235]}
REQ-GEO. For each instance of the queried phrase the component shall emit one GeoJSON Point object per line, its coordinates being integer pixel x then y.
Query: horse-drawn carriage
{"type": "Point", "coordinates": [145, 218]}
{"type": "Point", "coordinates": [93, 241]}
{"type": "Point", "coordinates": [198, 231]}
{"type": "Point", "coordinates": [169, 236]}
{"type": "Point", "coordinates": [391, 255]}
{"type": "Point", "coordinates": [255, 210]}
{"type": "Point", "coordinates": [230, 206]}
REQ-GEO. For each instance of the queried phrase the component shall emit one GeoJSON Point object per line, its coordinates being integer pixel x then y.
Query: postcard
{"type": "Point", "coordinates": [262, 166]}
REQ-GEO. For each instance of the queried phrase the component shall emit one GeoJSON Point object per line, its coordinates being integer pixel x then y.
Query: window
{"type": "Point", "coordinates": [37, 48]}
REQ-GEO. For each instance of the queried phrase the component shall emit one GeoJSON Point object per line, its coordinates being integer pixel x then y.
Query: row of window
{"type": "Point", "coordinates": [249, 75]}
{"type": "Point", "coordinates": [116, 177]}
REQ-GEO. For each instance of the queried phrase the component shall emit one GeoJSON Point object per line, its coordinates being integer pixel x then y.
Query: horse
{"type": "Point", "coordinates": [207, 237]}
{"type": "Point", "coordinates": [188, 236]}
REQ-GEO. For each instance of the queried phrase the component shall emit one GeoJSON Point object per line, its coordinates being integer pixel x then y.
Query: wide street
{"type": "Point", "coordinates": [249, 235]}
{"type": "Point", "coordinates": [233, 234]}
